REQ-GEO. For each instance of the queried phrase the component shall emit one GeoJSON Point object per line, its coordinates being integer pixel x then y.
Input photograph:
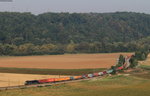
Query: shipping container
{"type": "Point", "coordinates": [96, 74]}
{"type": "Point", "coordinates": [109, 71]}
{"type": "Point", "coordinates": [120, 68]}
{"type": "Point", "coordinates": [90, 75]}
{"type": "Point", "coordinates": [83, 76]}
{"type": "Point", "coordinates": [77, 77]}
{"type": "Point", "coordinates": [58, 79]}
{"type": "Point", "coordinates": [50, 80]}
{"type": "Point", "coordinates": [104, 72]}
{"type": "Point", "coordinates": [86, 75]}
{"type": "Point", "coordinates": [66, 78]}
{"type": "Point", "coordinates": [71, 78]}
{"type": "Point", "coordinates": [62, 79]}
{"type": "Point", "coordinates": [100, 73]}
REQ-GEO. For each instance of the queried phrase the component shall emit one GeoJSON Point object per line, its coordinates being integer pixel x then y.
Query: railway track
{"type": "Point", "coordinates": [43, 85]}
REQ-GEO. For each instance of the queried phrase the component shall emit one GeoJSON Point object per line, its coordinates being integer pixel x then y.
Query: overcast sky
{"type": "Point", "coordinates": [99, 6]}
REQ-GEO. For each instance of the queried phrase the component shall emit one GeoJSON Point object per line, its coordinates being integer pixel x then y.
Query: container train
{"type": "Point", "coordinates": [53, 80]}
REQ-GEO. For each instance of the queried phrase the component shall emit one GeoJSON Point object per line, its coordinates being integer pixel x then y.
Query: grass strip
{"type": "Point", "coordinates": [146, 67]}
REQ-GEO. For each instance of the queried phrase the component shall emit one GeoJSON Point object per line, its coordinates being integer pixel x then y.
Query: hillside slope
{"type": "Point", "coordinates": [20, 28]}
{"type": "Point", "coordinates": [58, 33]}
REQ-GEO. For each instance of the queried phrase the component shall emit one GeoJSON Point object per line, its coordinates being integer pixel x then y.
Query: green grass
{"type": "Point", "coordinates": [50, 71]}
{"type": "Point", "coordinates": [110, 86]}
{"type": "Point", "coordinates": [146, 67]}
{"type": "Point", "coordinates": [144, 72]}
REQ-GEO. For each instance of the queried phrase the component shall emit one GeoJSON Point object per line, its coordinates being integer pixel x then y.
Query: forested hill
{"type": "Point", "coordinates": [80, 29]}
{"type": "Point", "coordinates": [20, 28]}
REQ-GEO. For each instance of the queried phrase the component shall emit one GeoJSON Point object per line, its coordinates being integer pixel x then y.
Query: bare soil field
{"type": "Point", "coordinates": [9, 79]}
{"type": "Point", "coordinates": [67, 61]}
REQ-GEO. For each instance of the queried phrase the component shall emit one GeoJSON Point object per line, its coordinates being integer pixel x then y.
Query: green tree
{"type": "Point", "coordinates": [133, 62]}
{"type": "Point", "coordinates": [121, 61]}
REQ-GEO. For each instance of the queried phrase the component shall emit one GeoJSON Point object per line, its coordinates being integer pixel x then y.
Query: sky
{"type": "Point", "coordinates": [78, 6]}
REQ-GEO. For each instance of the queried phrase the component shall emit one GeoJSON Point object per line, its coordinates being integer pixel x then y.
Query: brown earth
{"type": "Point", "coordinates": [8, 79]}
{"type": "Point", "coordinates": [67, 61]}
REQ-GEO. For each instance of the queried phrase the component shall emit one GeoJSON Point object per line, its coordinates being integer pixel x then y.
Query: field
{"type": "Point", "coordinates": [120, 85]}
{"type": "Point", "coordinates": [9, 79]}
{"type": "Point", "coordinates": [56, 65]}
{"type": "Point", "coordinates": [78, 61]}
{"type": "Point", "coordinates": [136, 83]}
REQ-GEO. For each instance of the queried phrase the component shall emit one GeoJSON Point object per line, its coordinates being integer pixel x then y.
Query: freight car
{"type": "Point", "coordinates": [46, 80]}
{"type": "Point", "coordinates": [96, 74]}
{"type": "Point", "coordinates": [53, 80]}
{"type": "Point", "coordinates": [100, 73]}
{"type": "Point", "coordinates": [109, 71]}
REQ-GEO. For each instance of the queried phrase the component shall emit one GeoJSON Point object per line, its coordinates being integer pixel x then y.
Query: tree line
{"type": "Point", "coordinates": [72, 48]}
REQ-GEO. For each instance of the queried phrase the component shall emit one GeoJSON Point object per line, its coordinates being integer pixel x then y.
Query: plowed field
{"type": "Point", "coordinates": [77, 61]}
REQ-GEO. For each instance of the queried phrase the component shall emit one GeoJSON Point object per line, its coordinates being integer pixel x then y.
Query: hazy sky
{"type": "Point", "coordinates": [99, 6]}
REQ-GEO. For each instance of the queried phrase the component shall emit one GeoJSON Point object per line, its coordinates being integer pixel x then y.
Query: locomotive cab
{"type": "Point", "coordinates": [31, 82]}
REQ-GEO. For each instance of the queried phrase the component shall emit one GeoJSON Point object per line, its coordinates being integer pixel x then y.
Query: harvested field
{"type": "Point", "coordinates": [68, 61]}
{"type": "Point", "coordinates": [8, 79]}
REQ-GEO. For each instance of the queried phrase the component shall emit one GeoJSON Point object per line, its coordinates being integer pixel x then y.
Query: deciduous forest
{"type": "Point", "coordinates": [59, 33]}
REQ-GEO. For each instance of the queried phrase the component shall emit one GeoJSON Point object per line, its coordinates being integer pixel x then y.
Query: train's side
{"type": "Point", "coordinates": [53, 80]}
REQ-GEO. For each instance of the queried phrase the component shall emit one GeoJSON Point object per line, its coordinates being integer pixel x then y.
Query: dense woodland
{"type": "Point", "coordinates": [59, 33]}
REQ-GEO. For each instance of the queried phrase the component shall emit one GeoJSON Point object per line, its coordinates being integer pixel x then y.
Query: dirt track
{"type": "Point", "coordinates": [78, 61]}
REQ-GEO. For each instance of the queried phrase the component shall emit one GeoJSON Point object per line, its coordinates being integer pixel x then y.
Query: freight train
{"type": "Point", "coordinates": [53, 80]}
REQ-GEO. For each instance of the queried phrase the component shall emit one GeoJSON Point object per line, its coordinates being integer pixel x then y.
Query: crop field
{"type": "Point", "coordinates": [68, 61]}
{"type": "Point", "coordinates": [9, 79]}
{"type": "Point", "coordinates": [120, 85]}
